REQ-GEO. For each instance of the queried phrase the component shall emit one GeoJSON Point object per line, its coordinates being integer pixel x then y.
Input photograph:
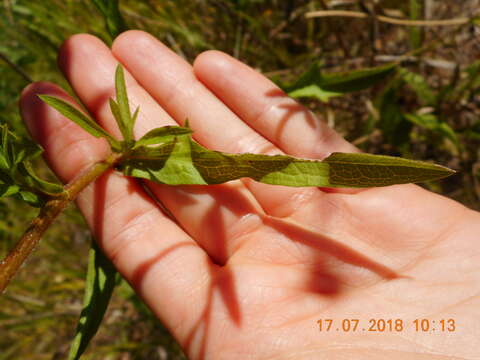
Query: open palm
{"type": "Point", "coordinates": [246, 270]}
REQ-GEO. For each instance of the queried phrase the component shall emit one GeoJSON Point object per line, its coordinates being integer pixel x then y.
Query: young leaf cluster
{"type": "Point", "coordinates": [17, 177]}
{"type": "Point", "coordinates": [396, 121]}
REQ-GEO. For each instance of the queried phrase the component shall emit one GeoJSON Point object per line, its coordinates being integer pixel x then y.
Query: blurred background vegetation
{"type": "Point", "coordinates": [429, 110]}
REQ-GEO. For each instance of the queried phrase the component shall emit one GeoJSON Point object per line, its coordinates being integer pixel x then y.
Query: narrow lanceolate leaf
{"type": "Point", "coordinates": [314, 83]}
{"type": "Point", "coordinates": [123, 116]}
{"type": "Point", "coordinates": [135, 115]}
{"type": "Point", "coordinates": [4, 160]}
{"type": "Point", "coordinates": [356, 80]}
{"type": "Point", "coordinates": [100, 283]}
{"type": "Point", "coordinates": [4, 163]}
{"type": "Point", "coordinates": [433, 123]}
{"type": "Point", "coordinates": [79, 118]}
{"type": "Point", "coordinates": [183, 161]}
{"type": "Point", "coordinates": [366, 170]}
{"type": "Point", "coordinates": [419, 84]}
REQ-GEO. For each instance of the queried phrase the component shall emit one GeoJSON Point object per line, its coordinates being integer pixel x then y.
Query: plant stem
{"type": "Point", "coordinates": [386, 19]}
{"type": "Point", "coordinates": [16, 68]}
{"type": "Point", "coordinates": [48, 213]}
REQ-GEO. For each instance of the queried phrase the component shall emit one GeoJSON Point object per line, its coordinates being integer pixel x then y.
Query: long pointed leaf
{"type": "Point", "coordinates": [124, 118]}
{"type": "Point", "coordinates": [100, 283]}
{"type": "Point", "coordinates": [367, 170]}
{"type": "Point", "coordinates": [183, 161]}
{"type": "Point", "coordinates": [79, 118]}
{"type": "Point", "coordinates": [314, 83]}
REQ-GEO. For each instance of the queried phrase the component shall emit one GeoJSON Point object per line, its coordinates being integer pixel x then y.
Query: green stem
{"type": "Point", "coordinates": [54, 207]}
{"type": "Point", "coordinates": [16, 68]}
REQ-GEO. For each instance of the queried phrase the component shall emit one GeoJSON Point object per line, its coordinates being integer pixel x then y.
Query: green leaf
{"type": "Point", "coordinates": [4, 158]}
{"type": "Point", "coordinates": [31, 198]}
{"type": "Point", "coordinates": [418, 84]}
{"type": "Point", "coordinates": [8, 190]}
{"type": "Point", "coordinates": [116, 113]}
{"type": "Point", "coordinates": [121, 109]}
{"type": "Point", "coordinates": [433, 123]}
{"type": "Point", "coordinates": [170, 163]}
{"type": "Point", "coordinates": [314, 91]}
{"type": "Point", "coordinates": [366, 170]}
{"type": "Point", "coordinates": [314, 83]}
{"type": "Point", "coordinates": [80, 119]}
{"type": "Point", "coordinates": [135, 116]}
{"type": "Point", "coordinates": [161, 135]}
{"type": "Point", "coordinates": [4, 164]}
{"type": "Point", "coordinates": [183, 161]}
{"type": "Point", "coordinates": [33, 181]}
{"type": "Point", "coordinates": [358, 79]}
{"type": "Point", "coordinates": [25, 149]}
{"type": "Point", "coordinates": [392, 123]}
{"type": "Point", "coordinates": [100, 283]}
{"type": "Point", "coordinates": [113, 19]}
{"type": "Point", "coordinates": [16, 171]}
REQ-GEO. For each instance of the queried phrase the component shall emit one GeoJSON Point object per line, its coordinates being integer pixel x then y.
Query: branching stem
{"type": "Point", "coordinates": [48, 213]}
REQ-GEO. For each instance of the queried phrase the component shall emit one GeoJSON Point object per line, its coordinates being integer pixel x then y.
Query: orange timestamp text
{"type": "Point", "coordinates": [386, 325]}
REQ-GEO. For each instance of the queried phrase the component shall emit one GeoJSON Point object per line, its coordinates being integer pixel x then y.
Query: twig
{"type": "Point", "coordinates": [17, 68]}
{"type": "Point", "coordinates": [28, 318]}
{"type": "Point", "coordinates": [174, 44]}
{"type": "Point", "coordinates": [371, 13]}
{"type": "Point", "coordinates": [54, 207]}
{"type": "Point", "coordinates": [338, 35]}
{"type": "Point", "coordinates": [386, 19]}
{"type": "Point", "coordinates": [437, 63]}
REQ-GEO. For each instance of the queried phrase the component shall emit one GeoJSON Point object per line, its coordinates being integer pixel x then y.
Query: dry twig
{"type": "Point", "coordinates": [386, 19]}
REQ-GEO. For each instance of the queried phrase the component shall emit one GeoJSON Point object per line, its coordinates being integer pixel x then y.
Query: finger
{"type": "Point", "coordinates": [266, 108]}
{"type": "Point", "coordinates": [148, 249]}
{"type": "Point", "coordinates": [170, 80]}
{"type": "Point", "coordinates": [210, 215]}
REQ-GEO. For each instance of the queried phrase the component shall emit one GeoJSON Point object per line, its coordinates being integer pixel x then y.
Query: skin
{"type": "Point", "coordinates": [246, 270]}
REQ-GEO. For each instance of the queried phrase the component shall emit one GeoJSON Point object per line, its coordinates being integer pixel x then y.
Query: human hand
{"type": "Point", "coordinates": [247, 269]}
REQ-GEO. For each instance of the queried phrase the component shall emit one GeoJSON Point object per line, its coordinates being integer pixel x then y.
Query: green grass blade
{"type": "Point", "coordinates": [100, 283]}
{"type": "Point", "coordinates": [113, 18]}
